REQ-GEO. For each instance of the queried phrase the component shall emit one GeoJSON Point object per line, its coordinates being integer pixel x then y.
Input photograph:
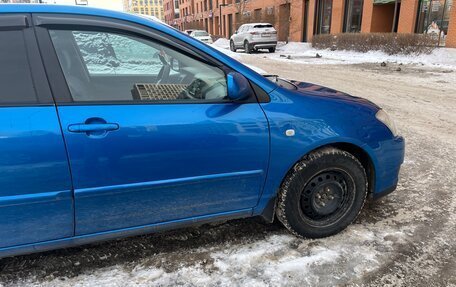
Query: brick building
{"type": "Point", "coordinates": [299, 20]}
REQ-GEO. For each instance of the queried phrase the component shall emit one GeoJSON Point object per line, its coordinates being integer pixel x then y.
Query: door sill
{"type": "Point", "coordinates": [122, 233]}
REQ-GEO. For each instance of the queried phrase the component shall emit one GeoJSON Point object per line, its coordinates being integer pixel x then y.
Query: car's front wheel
{"type": "Point", "coordinates": [272, 50]}
{"type": "Point", "coordinates": [232, 46]}
{"type": "Point", "coordinates": [323, 194]}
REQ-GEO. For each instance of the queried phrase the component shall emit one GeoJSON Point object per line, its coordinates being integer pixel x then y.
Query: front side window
{"type": "Point", "coordinates": [103, 66]}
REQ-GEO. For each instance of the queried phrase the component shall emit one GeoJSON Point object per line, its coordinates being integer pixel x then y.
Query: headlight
{"type": "Point", "coordinates": [385, 118]}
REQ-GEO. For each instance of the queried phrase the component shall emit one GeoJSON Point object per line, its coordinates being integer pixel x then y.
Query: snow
{"type": "Point", "coordinates": [222, 43]}
{"type": "Point", "coordinates": [277, 259]}
{"type": "Point", "coordinates": [304, 53]}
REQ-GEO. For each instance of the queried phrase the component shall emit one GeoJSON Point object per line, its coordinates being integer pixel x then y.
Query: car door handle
{"type": "Point", "coordinates": [87, 128]}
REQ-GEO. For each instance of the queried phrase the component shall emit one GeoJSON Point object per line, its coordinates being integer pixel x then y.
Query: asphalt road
{"type": "Point", "coordinates": [405, 239]}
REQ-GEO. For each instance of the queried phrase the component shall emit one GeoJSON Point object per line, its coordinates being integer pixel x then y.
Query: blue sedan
{"type": "Point", "coordinates": [114, 125]}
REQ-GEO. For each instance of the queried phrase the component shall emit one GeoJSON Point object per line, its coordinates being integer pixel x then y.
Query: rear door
{"type": "Point", "coordinates": [150, 133]}
{"type": "Point", "coordinates": [36, 202]}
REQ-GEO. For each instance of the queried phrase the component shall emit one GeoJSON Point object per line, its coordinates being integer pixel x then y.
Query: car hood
{"type": "Point", "coordinates": [310, 89]}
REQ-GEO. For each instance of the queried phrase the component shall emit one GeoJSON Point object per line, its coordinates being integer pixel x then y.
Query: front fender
{"type": "Point", "coordinates": [317, 123]}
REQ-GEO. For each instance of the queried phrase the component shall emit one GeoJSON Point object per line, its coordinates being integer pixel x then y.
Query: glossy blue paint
{"type": "Point", "coordinates": [126, 232]}
{"type": "Point", "coordinates": [238, 87]}
{"type": "Point", "coordinates": [165, 162]}
{"type": "Point", "coordinates": [36, 202]}
{"type": "Point", "coordinates": [322, 116]}
{"type": "Point", "coordinates": [141, 168]}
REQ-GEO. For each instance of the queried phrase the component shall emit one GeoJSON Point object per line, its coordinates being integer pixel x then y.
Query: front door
{"type": "Point", "coordinates": [238, 37]}
{"type": "Point", "coordinates": [150, 134]}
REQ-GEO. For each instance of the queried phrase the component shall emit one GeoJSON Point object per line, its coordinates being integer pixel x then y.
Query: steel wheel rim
{"type": "Point", "coordinates": [327, 197]}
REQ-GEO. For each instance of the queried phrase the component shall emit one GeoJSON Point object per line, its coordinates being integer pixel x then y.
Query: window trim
{"type": "Point", "coordinates": [11, 22]}
{"type": "Point", "coordinates": [83, 22]}
{"type": "Point", "coordinates": [44, 23]}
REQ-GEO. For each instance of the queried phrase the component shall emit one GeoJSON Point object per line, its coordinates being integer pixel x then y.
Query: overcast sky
{"type": "Point", "coordinates": [107, 4]}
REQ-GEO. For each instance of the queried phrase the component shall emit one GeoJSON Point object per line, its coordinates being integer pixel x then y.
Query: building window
{"type": "Point", "coordinates": [353, 16]}
{"type": "Point", "coordinates": [257, 15]}
{"type": "Point", "coordinates": [433, 16]}
{"type": "Point", "coordinates": [323, 12]}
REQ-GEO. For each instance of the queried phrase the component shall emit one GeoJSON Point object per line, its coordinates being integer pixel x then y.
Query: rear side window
{"type": "Point", "coordinates": [16, 83]}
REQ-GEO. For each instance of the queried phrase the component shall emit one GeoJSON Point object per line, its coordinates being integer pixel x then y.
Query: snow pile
{"type": "Point", "coordinates": [223, 45]}
{"type": "Point", "coordinates": [304, 53]}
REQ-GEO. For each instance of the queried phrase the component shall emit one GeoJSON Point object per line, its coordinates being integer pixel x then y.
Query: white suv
{"type": "Point", "coordinates": [254, 36]}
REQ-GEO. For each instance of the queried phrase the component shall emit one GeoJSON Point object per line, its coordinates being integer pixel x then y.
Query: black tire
{"type": "Point", "coordinates": [247, 47]}
{"type": "Point", "coordinates": [232, 46]}
{"type": "Point", "coordinates": [322, 194]}
{"type": "Point", "coordinates": [272, 50]}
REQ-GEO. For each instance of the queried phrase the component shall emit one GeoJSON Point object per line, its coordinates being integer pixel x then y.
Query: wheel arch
{"type": "Point", "coordinates": [364, 158]}
{"type": "Point", "coordinates": [357, 151]}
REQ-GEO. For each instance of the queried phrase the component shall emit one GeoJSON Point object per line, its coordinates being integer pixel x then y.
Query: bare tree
{"type": "Point", "coordinates": [243, 16]}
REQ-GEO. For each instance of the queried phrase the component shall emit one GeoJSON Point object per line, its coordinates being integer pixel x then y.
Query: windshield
{"type": "Point", "coordinates": [201, 34]}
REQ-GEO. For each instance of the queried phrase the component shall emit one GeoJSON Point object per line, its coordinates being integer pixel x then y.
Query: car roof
{"type": "Point", "coordinates": [85, 11]}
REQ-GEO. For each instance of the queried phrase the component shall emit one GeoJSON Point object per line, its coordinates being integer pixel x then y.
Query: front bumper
{"type": "Point", "coordinates": [384, 193]}
{"type": "Point", "coordinates": [390, 156]}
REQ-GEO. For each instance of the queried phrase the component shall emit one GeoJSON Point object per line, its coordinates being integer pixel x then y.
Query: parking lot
{"type": "Point", "coordinates": [404, 239]}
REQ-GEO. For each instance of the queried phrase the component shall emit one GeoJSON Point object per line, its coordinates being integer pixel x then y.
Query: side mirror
{"type": "Point", "coordinates": [235, 32]}
{"type": "Point", "coordinates": [238, 87]}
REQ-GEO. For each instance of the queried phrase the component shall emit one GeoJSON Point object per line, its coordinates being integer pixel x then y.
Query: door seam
{"type": "Point", "coordinates": [32, 24]}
